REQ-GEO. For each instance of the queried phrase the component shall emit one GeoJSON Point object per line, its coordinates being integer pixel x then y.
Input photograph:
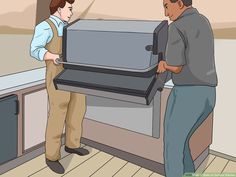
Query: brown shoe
{"type": "Point", "coordinates": [55, 166]}
{"type": "Point", "coordinates": [78, 151]}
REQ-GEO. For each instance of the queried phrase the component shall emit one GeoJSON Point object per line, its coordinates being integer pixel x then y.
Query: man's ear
{"type": "Point", "coordinates": [180, 4]}
{"type": "Point", "coordinates": [59, 10]}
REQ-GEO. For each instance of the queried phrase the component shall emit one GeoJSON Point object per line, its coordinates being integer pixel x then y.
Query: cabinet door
{"type": "Point", "coordinates": [8, 128]}
{"type": "Point", "coordinates": [35, 118]}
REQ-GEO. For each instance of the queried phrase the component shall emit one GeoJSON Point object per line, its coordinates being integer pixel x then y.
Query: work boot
{"type": "Point", "coordinates": [79, 151]}
{"type": "Point", "coordinates": [55, 166]}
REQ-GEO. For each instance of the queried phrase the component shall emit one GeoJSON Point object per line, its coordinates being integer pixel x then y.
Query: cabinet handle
{"type": "Point", "coordinates": [17, 107]}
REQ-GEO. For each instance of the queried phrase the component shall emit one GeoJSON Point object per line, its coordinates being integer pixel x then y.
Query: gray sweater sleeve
{"type": "Point", "coordinates": [175, 51]}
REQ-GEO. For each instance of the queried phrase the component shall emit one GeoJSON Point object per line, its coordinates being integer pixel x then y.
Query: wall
{"type": "Point", "coordinates": [132, 9]}
{"type": "Point", "coordinates": [224, 130]}
{"type": "Point", "coordinates": [153, 9]}
{"type": "Point", "coordinates": [17, 21]}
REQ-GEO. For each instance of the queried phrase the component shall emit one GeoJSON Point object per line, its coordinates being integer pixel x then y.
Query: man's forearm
{"type": "Point", "coordinates": [163, 66]}
{"type": "Point", "coordinates": [174, 69]}
{"type": "Point", "coordinates": [50, 56]}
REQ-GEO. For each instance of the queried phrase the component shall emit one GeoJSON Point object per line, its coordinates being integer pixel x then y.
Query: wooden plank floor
{"type": "Point", "coordinates": [101, 164]}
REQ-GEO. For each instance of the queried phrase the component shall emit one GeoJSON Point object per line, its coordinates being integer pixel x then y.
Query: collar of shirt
{"type": "Point", "coordinates": [57, 21]}
{"type": "Point", "coordinates": [188, 11]}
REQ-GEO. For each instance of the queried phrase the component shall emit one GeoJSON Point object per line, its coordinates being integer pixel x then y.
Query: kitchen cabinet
{"type": "Point", "coordinates": [35, 112]}
{"type": "Point", "coordinates": [139, 147]}
{"type": "Point", "coordinates": [9, 109]}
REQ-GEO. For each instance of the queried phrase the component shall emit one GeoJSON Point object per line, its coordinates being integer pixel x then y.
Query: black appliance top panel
{"type": "Point", "coordinates": [134, 26]}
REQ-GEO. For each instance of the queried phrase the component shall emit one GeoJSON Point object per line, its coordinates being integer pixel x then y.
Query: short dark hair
{"type": "Point", "coordinates": [55, 4]}
{"type": "Point", "coordinates": [185, 2]}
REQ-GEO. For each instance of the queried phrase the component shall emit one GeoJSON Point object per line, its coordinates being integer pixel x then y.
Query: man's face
{"type": "Point", "coordinates": [173, 10]}
{"type": "Point", "coordinates": [66, 12]}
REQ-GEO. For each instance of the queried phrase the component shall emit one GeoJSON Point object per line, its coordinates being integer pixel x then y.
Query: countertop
{"type": "Point", "coordinates": [21, 80]}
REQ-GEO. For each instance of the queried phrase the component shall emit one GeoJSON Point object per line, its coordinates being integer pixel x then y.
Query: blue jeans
{"type": "Point", "coordinates": [187, 108]}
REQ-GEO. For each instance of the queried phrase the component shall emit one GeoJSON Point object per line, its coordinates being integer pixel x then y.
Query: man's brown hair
{"type": "Point", "coordinates": [55, 4]}
{"type": "Point", "coordinates": [185, 2]}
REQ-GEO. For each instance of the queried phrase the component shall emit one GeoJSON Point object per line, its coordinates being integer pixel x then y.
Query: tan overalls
{"type": "Point", "coordinates": [65, 108]}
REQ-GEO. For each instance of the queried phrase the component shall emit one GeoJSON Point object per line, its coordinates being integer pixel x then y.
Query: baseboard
{"type": "Point", "coordinates": [27, 156]}
{"type": "Point", "coordinates": [222, 155]}
{"type": "Point", "coordinates": [21, 159]}
{"type": "Point", "coordinates": [137, 160]}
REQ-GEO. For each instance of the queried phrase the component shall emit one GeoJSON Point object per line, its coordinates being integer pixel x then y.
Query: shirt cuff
{"type": "Point", "coordinates": [42, 53]}
{"type": "Point", "coordinates": [172, 63]}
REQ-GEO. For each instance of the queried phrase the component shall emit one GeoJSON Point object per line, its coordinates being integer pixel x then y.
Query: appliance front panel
{"type": "Point", "coordinates": [120, 87]}
{"type": "Point", "coordinates": [110, 49]}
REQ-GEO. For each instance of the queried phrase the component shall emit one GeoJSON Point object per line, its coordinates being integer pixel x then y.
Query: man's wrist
{"type": "Point", "coordinates": [50, 56]}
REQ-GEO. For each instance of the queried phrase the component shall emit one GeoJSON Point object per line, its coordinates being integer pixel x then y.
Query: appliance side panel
{"type": "Point", "coordinates": [130, 116]}
{"type": "Point", "coordinates": [156, 115]}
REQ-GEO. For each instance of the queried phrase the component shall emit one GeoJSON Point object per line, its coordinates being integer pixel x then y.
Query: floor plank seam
{"type": "Point", "coordinates": [136, 171]}
{"type": "Point", "coordinates": [47, 166]}
{"type": "Point", "coordinates": [81, 163]}
{"type": "Point", "coordinates": [38, 171]}
{"type": "Point", "coordinates": [120, 168]}
{"type": "Point", "coordinates": [151, 174]}
{"type": "Point", "coordinates": [101, 166]}
{"type": "Point", "coordinates": [225, 167]}
{"type": "Point", "coordinates": [209, 164]}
